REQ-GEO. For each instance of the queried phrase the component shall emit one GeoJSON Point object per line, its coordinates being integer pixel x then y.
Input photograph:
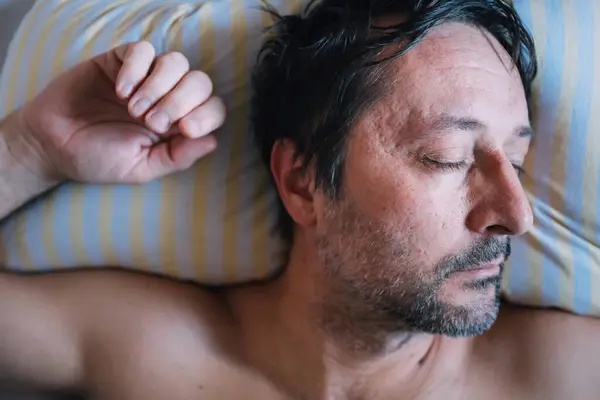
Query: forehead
{"type": "Point", "coordinates": [455, 70]}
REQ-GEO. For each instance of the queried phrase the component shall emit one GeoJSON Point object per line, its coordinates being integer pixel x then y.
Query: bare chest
{"type": "Point", "coordinates": [487, 382]}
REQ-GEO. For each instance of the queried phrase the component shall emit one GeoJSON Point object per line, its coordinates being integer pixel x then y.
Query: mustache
{"type": "Point", "coordinates": [482, 252]}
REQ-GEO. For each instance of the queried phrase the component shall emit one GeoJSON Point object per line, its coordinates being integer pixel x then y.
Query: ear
{"type": "Point", "coordinates": [296, 187]}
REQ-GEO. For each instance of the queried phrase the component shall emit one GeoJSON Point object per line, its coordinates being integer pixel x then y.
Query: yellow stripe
{"type": "Point", "coordinates": [592, 161]}
{"type": "Point", "coordinates": [203, 169]}
{"type": "Point", "coordinates": [168, 203]}
{"type": "Point", "coordinates": [558, 172]}
{"type": "Point", "coordinates": [136, 205]}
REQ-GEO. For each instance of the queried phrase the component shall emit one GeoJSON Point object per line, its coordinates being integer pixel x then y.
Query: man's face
{"type": "Point", "coordinates": [430, 195]}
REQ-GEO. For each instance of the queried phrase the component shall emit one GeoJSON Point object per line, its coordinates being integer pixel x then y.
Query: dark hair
{"type": "Point", "coordinates": [319, 71]}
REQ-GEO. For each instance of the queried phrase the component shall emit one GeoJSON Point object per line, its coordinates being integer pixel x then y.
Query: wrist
{"type": "Point", "coordinates": [25, 150]}
{"type": "Point", "coordinates": [22, 157]}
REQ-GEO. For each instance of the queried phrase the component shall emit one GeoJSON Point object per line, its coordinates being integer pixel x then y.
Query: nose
{"type": "Point", "coordinates": [498, 204]}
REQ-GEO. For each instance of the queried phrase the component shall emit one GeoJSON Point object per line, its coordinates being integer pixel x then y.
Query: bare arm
{"type": "Point", "coordinates": [39, 342]}
{"type": "Point", "coordinates": [112, 334]}
{"type": "Point", "coordinates": [20, 177]}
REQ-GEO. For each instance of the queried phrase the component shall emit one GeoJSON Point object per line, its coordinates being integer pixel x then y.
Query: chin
{"type": "Point", "coordinates": [461, 309]}
{"type": "Point", "coordinates": [467, 293]}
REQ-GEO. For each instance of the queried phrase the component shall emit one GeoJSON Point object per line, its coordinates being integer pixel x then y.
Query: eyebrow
{"type": "Point", "coordinates": [446, 122]}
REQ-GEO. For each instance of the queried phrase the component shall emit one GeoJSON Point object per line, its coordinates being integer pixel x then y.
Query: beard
{"type": "Point", "coordinates": [376, 287]}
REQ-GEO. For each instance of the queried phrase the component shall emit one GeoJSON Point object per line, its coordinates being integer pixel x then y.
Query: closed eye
{"type": "Point", "coordinates": [446, 166]}
{"type": "Point", "coordinates": [519, 169]}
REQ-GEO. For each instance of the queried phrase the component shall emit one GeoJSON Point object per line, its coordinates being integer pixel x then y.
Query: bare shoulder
{"type": "Point", "coordinates": [115, 294]}
{"type": "Point", "coordinates": [140, 333]}
{"type": "Point", "coordinates": [556, 330]}
{"type": "Point", "coordinates": [544, 351]}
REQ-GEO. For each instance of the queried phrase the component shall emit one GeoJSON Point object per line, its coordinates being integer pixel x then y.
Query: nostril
{"type": "Point", "coordinates": [500, 230]}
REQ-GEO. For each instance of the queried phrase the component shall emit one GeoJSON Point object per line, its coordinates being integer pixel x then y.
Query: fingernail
{"type": "Point", "coordinates": [140, 106]}
{"type": "Point", "coordinates": [126, 89]}
{"type": "Point", "coordinates": [159, 121]}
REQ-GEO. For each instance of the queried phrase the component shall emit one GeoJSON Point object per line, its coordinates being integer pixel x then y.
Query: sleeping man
{"type": "Point", "coordinates": [394, 132]}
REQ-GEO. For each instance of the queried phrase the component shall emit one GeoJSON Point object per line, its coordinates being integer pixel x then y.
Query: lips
{"type": "Point", "coordinates": [481, 271]}
{"type": "Point", "coordinates": [483, 267]}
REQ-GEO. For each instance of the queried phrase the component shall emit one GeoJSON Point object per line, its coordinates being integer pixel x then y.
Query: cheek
{"type": "Point", "coordinates": [422, 211]}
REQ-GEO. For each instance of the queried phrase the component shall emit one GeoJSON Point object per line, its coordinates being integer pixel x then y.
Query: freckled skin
{"type": "Point", "coordinates": [414, 209]}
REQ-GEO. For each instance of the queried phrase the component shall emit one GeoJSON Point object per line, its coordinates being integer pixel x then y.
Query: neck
{"type": "Point", "coordinates": [287, 337]}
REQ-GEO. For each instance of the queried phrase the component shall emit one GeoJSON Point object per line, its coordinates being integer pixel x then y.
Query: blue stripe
{"type": "Point", "coordinates": [89, 219]}
{"type": "Point", "coordinates": [9, 238]}
{"type": "Point", "coordinates": [33, 234]}
{"type": "Point", "coordinates": [62, 215]}
{"type": "Point", "coordinates": [551, 84]}
{"type": "Point", "coordinates": [579, 130]}
{"type": "Point", "coordinates": [520, 282]}
{"type": "Point", "coordinates": [151, 224]}
{"type": "Point", "coordinates": [120, 224]}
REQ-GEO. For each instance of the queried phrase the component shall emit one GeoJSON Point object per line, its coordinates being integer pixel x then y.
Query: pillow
{"type": "Point", "coordinates": [557, 264]}
{"type": "Point", "coordinates": [213, 224]}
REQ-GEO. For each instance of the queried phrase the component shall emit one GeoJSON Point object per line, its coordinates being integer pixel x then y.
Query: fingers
{"type": "Point", "coordinates": [193, 90]}
{"type": "Point", "coordinates": [137, 58]}
{"type": "Point", "coordinates": [168, 71]}
{"type": "Point", "coordinates": [163, 93]}
{"type": "Point", "coordinates": [204, 119]}
{"type": "Point", "coordinates": [178, 154]}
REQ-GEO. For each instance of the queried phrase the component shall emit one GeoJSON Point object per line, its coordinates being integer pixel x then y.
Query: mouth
{"type": "Point", "coordinates": [480, 271]}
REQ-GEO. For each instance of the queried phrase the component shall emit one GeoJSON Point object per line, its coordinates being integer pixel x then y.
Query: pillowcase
{"type": "Point", "coordinates": [557, 264]}
{"type": "Point", "coordinates": [213, 224]}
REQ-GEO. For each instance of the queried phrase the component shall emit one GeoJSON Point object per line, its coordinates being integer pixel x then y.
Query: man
{"type": "Point", "coordinates": [393, 130]}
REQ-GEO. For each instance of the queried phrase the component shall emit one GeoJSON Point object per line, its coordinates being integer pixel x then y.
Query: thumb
{"type": "Point", "coordinates": [177, 154]}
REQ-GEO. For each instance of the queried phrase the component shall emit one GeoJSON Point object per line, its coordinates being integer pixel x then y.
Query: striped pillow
{"type": "Point", "coordinates": [558, 263]}
{"type": "Point", "coordinates": [212, 224]}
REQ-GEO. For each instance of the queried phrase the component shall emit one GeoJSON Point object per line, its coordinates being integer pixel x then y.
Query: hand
{"type": "Point", "coordinates": [125, 116]}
